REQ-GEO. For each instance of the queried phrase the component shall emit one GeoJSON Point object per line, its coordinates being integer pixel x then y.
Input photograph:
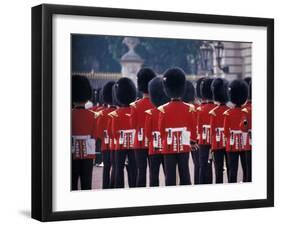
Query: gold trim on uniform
{"type": "Point", "coordinates": [148, 112]}
{"type": "Point", "coordinates": [226, 112]}
{"type": "Point", "coordinates": [212, 112]}
{"type": "Point", "coordinates": [245, 110]}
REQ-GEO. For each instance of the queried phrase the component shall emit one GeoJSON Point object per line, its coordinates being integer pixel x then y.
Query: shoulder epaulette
{"type": "Point", "coordinates": [226, 112]}
{"type": "Point", "coordinates": [133, 104]}
{"type": "Point", "coordinates": [161, 108]}
{"type": "Point", "coordinates": [96, 114]}
{"type": "Point", "coordinates": [212, 112]}
{"type": "Point", "coordinates": [245, 110]}
{"type": "Point", "coordinates": [191, 107]}
{"type": "Point", "coordinates": [113, 114]}
{"type": "Point", "coordinates": [148, 112]}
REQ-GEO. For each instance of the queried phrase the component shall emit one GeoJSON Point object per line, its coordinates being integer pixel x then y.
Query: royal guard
{"type": "Point", "coordinates": [137, 118]}
{"type": "Point", "coordinates": [158, 98]}
{"type": "Point", "coordinates": [219, 89]}
{"type": "Point", "coordinates": [247, 136]}
{"type": "Point", "coordinates": [235, 124]}
{"type": "Point", "coordinates": [189, 97]}
{"type": "Point", "coordinates": [123, 132]}
{"type": "Point", "coordinates": [204, 131]}
{"type": "Point", "coordinates": [103, 133]}
{"type": "Point", "coordinates": [177, 127]}
{"type": "Point", "coordinates": [83, 134]}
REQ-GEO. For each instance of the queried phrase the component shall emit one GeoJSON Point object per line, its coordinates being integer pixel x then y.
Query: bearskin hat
{"type": "Point", "coordinates": [248, 80]}
{"type": "Point", "coordinates": [205, 88]}
{"type": "Point", "coordinates": [143, 77]}
{"type": "Point", "coordinates": [114, 98]}
{"type": "Point", "coordinates": [238, 92]}
{"type": "Point", "coordinates": [81, 89]}
{"type": "Point", "coordinates": [100, 96]}
{"type": "Point", "coordinates": [126, 91]}
{"type": "Point", "coordinates": [174, 82]}
{"type": "Point", "coordinates": [156, 92]}
{"type": "Point", "coordinates": [189, 94]}
{"type": "Point", "coordinates": [198, 85]}
{"type": "Point", "coordinates": [219, 89]}
{"type": "Point", "coordinates": [107, 92]}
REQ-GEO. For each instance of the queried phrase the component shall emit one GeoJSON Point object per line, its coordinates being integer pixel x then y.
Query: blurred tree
{"type": "Point", "coordinates": [102, 53]}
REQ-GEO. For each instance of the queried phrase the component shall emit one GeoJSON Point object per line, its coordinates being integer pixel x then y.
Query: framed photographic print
{"type": "Point", "coordinates": [146, 112]}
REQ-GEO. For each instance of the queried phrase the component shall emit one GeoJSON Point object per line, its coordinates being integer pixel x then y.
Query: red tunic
{"type": "Point", "coordinates": [137, 119]}
{"type": "Point", "coordinates": [122, 129]}
{"type": "Point", "coordinates": [234, 120]}
{"type": "Point", "coordinates": [152, 131]}
{"type": "Point", "coordinates": [83, 129]}
{"type": "Point", "coordinates": [177, 126]}
{"type": "Point", "coordinates": [102, 129]}
{"type": "Point", "coordinates": [247, 145]}
{"type": "Point", "coordinates": [217, 131]}
{"type": "Point", "coordinates": [203, 122]}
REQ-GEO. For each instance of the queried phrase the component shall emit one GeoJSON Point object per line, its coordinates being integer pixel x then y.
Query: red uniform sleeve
{"type": "Point", "coordinates": [199, 123]}
{"type": "Point", "coordinates": [94, 127]}
{"type": "Point", "coordinates": [226, 126]}
{"type": "Point", "coordinates": [148, 126]}
{"type": "Point", "coordinates": [133, 117]}
{"type": "Point", "coordinates": [115, 127]}
{"type": "Point", "coordinates": [100, 126]}
{"type": "Point", "coordinates": [212, 124]}
{"type": "Point", "coordinates": [192, 125]}
{"type": "Point", "coordinates": [161, 124]}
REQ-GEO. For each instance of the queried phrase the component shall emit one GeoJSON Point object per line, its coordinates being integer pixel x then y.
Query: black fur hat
{"type": "Point", "coordinates": [248, 80]}
{"type": "Point", "coordinates": [219, 89]}
{"type": "Point", "coordinates": [107, 92]}
{"type": "Point", "coordinates": [174, 82]}
{"type": "Point", "coordinates": [238, 92]}
{"type": "Point", "coordinates": [81, 89]}
{"type": "Point", "coordinates": [156, 92]}
{"type": "Point", "coordinates": [143, 77]}
{"type": "Point", "coordinates": [100, 97]}
{"type": "Point", "coordinates": [114, 98]}
{"type": "Point", "coordinates": [126, 91]}
{"type": "Point", "coordinates": [189, 94]}
{"type": "Point", "coordinates": [205, 88]}
{"type": "Point", "coordinates": [198, 89]}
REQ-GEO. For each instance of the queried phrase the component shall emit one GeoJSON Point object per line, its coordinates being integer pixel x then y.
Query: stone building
{"type": "Point", "coordinates": [237, 58]}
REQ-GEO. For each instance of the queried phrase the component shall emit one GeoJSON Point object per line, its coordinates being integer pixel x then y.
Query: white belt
{"type": "Point", "coordinates": [236, 131]}
{"type": "Point", "coordinates": [179, 129]}
{"type": "Point", "coordinates": [206, 126]}
{"type": "Point", "coordinates": [86, 137]}
{"type": "Point", "coordinates": [127, 131]}
{"type": "Point", "coordinates": [220, 129]}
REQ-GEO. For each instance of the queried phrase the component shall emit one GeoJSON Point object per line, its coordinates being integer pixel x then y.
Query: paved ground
{"type": "Point", "coordinates": [97, 176]}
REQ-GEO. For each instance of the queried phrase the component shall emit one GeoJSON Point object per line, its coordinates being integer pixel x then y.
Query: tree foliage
{"type": "Point", "coordinates": [102, 53]}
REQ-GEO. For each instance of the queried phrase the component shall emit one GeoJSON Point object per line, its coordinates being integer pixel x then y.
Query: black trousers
{"type": "Point", "coordinates": [171, 161]}
{"type": "Point", "coordinates": [233, 159]}
{"type": "Point", "coordinates": [113, 167]}
{"type": "Point", "coordinates": [141, 156]}
{"type": "Point", "coordinates": [248, 154]}
{"type": "Point", "coordinates": [155, 162]}
{"type": "Point", "coordinates": [82, 169]}
{"type": "Point", "coordinates": [106, 169]}
{"type": "Point", "coordinates": [120, 158]}
{"type": "Point", "coordinates": [98, 158]}
{"type": "Point", "coordinates": [195, 158]}
{"type": "Point", "coordinates": [205, 171]}
{"type": "Point", "coordinates": [219, 157]}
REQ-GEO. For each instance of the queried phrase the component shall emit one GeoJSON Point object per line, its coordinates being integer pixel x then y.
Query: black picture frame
{"type": "Point", "coordinates": [42, 108]}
